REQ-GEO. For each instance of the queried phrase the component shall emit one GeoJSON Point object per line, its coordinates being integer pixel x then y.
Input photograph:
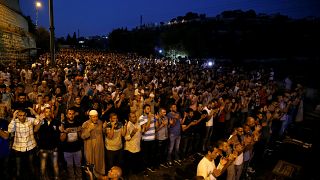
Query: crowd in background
{"type": "Point", "coordinates": [103, 110]}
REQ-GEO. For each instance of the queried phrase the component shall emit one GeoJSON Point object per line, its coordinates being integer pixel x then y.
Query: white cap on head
{"type": "Point", "coordinates": [93, 112]}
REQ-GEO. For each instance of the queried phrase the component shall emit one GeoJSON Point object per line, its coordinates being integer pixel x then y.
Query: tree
{"type": "Point", "coordinates": [43, 39]}
{"type": "Point", "coordinates": [31, 26]}
{"type": "Point", "coordinates": [69, 40]}
{"type": "Point", "coordinates": [74, 38]}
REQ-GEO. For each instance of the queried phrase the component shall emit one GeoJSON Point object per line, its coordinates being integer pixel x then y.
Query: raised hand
{"type": "Point", "coordinates": [150, 116]}
{"type": "Point", "coordinates": [223, 161]}
{"type": "Point", "coordinates": [15, 114]}
{"type": "Point", "coordinates": [157, 116]}
{"type": "Point", "coordinates": [62, 117]}
{"type": "Point", "coordinates": [32, 111]}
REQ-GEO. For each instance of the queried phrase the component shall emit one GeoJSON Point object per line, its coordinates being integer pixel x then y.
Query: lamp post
{"type": "Point", "coordinates": [38, 6]}
{"type": "Point", "coordinates": [52, 48]}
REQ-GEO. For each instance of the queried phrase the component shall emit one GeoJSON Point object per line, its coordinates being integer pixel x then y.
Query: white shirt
{"type": "Point", "coordinates": [205, 169]}
{"type": "Point", "coordinates": [24, 137]}
{"type": "Point", "coordinates": [239, 160]}
{"type": "Point", "coordinates": [132, 144]}
{"type": "Point", "coordinates": [210, 121]}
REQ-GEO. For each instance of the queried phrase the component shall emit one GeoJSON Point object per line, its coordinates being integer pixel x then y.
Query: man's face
{"type": "Point", "coordinates": [163, 112]}
{"type": "Point", "coordinates": [112, 173]}
{"type": "Point", "coordinates": [22, 99]}
{"type": "Point", "coordinates": [239, 147]}
{"type": "Point", "coordinates": [22, 116]}
{"type": "Point", "coordinates": [114, 118]}
{"type": "Point", "coordinates": [78, 101]}
{"type": "Point", "coordinates": [47, 113]}
{"type": "Point", "coordinates": [35, 88]}
{"type": "Point", "coordinates": [225, 147]}
{"type": "Point", "coordinates": [133, 118]}
{"type": "Point", "coordinates": [240, 131]}
{"type": "Point", "coordinates": [19, 89]}
{"type": "Point", "coordinates": [190, 114]}
{"type": "Point", "coordinates": [174, 108]}
{"type": "Point", "coordinates": [251, 122]}
{"type": "Point", "coordinates": [94, 118]}
{"type": "Point", "coordinates": [215, 153]}
{"type": "Point", "coordinates": [44, 84]}
{"type": "Point", "coordinates": [59, 99]}
{"type": "Point", "coordinates": [147, 110]}
{"type": "Point", "coordinates": [108, 97]}
{"type": "Point", "coordinates": [70, 115]}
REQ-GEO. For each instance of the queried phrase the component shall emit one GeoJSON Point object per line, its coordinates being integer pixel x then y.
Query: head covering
{"type": "Point", "coordinates": [93, 112]}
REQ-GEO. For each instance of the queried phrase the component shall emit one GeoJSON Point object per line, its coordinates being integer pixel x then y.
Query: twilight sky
{"type": "Point", "coordinates": [100, 17]}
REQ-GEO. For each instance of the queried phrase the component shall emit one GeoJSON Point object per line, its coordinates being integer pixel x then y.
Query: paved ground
{"type": "Point", "coordinates": [306, 131]}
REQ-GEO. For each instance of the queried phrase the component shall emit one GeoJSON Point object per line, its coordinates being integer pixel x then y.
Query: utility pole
{"type": "Point", "coordinates": [52, 48]}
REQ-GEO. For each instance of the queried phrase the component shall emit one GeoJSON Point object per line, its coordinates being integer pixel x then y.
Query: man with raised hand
{"type": "Point", "coordinates": [92, 134]}
{"type": "Point", "coordinates": [24, 143]}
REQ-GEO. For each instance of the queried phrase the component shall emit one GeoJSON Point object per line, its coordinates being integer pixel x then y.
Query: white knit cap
{"type": "Point", "coordinates": [93, 112]}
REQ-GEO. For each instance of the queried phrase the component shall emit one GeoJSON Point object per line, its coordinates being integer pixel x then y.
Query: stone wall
{"type": "Point", "coordinates": [14, 35]}
{"type": "Point", "coordinates": [11, 4]}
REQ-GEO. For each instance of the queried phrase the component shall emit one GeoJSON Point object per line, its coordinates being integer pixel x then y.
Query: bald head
{"type": "Point", "coordinates": [115, 172]}
{"type": "Point", "coordinates": [250, 121]}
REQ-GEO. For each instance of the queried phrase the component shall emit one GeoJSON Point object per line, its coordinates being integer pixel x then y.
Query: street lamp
{"type": "Point", "coordinates": [38, 6]}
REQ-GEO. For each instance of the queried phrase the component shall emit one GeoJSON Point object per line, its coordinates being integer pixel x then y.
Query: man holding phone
{"type": "Point", "coordinates": [114, 130]}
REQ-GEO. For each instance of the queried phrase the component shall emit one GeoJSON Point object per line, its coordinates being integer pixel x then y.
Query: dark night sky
{"type": "Point", "coordinates": [99, 17]}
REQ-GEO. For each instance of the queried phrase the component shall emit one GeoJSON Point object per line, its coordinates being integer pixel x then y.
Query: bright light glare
{"type": "Point", "coordinates": [38, 4]}
{"type": "Point", "coordinates": [210, 63]}
{"type": "Point", "coordinates": [160, 51]}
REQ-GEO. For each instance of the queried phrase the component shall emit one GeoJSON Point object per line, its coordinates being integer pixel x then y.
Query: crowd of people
{"type": "Point", "coordinates": [106, 112]}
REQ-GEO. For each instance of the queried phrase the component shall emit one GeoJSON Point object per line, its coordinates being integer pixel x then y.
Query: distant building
{"type": "Point", "coordinates": [15, 40]}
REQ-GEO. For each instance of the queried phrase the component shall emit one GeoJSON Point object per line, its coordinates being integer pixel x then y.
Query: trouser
{"type": "Point", "coordinates": [243, 117]}
{"type": "Point", "coordinates": [113, 158]}
{"type": "Point", "coordinates": [186, 146]}
{"type": "Point", "coordinates": [219, 131]}
{"type": "Point", "coordinates": [27, 159]}
{"type": "Point", "coordinates": [196, 143]}
{"type": "Point", "coordinates": [44, 155]}
{"type": "Point", "coordinates": [148, 151]}
{"type": "Point", "coordinates": [162, 150]}
{"type": "Point", "coordinates": [207, 138]}
{"type": "Point", "coordinates": [245, 168]}
{"type": "Point", "coordinates": [132, 164]}
{"type": "Point", "coordinates": [4, 163]}
{"type": "Point", "coordinates": [231, 174]}
{"type": "Point", "coordinates": [238, 171]}
{"type": "Point", "coordinates": [73, 160]}
{"type": "Point", "coordinates": [174, 143]}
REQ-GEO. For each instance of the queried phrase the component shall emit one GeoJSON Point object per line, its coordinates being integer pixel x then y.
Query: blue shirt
{"type": "Point", "coordinates": [174, 129]}
{"type": "Point", "coordinates": [4, 143]}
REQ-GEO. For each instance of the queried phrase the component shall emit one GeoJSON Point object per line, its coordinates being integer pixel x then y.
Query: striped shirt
{"type": "Point", "coordinates": [150, 134]}
{"type": "Point", "coordinates": [24, 137]}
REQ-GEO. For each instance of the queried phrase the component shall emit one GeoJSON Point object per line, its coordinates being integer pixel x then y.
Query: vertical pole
{"type": "Point", "coordinates": [52, 48]}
